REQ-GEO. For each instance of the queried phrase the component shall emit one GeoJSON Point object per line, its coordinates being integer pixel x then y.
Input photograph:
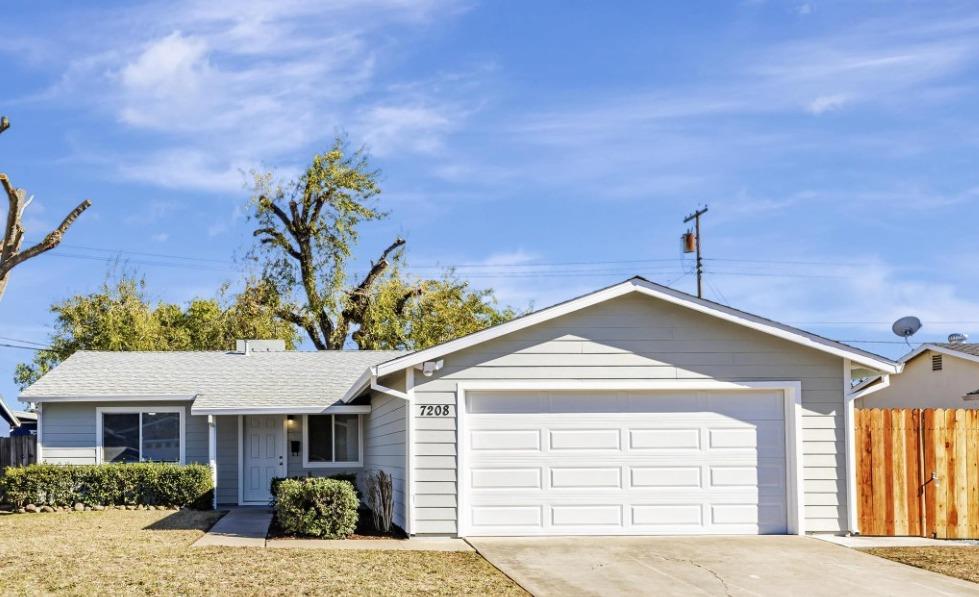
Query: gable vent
{"type": "Point", "coordinates": [936, 362]}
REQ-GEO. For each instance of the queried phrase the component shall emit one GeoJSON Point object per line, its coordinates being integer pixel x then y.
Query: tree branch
{"type": "Point", "coordinates": [303, 322]}
{"type": "Point", "coordinates": [277, 238]}
{"type": "Point", "coordinates": [52, 240]}
{"type": "Point", "coordinates": [362, 291]}
{"type": "Point", "coordinates": [358, 298]}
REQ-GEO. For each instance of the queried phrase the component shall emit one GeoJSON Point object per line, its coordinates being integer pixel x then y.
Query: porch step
{"type": "Point", "coordinates": [241, 527]}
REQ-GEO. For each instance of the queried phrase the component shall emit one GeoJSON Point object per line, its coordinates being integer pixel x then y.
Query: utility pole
{"type": "Point", "coordinates": [695, 216]}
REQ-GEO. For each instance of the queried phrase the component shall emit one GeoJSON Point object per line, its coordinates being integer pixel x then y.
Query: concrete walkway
{"type": "Point", "coordinates": [249, 527]}
{"type": "Point", "coordinates": [862, 542]}
{"type": "Point", "coordinates": [725, 566]}
{"type": "Point", "coordinates": [373, 544]}
{"type": "Point", "coordinates": [241, 527]}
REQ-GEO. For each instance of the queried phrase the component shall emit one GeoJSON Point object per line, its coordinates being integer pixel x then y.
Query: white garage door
{"type": "Point", "coordinates": [612, 463]}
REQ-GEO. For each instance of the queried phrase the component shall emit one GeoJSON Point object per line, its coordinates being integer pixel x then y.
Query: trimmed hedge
{"type": "Point", "coordinates": [108, 485]}
{"type": "Point", "coordinates": [317, 507]}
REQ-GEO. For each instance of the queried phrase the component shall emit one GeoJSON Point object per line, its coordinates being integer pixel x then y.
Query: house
{"type": "Point", "coordinates": [635, 409]}
{"type": "Point", "coordinates": [20, 422]}
{"type": "Point", "coordinates": [935, 375]}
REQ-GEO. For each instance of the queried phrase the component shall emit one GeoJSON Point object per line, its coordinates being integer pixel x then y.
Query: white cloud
{"type": "Point", "coordinates": [160, 237]}
{"type": "Point", "coordinates": [390, 128]}
{"type": "Point", "coordinates": [187, 168]}
{"type": "Point", "coordinates": [226, 85]}
{"type": "Point", "coordinates": [826, 103]}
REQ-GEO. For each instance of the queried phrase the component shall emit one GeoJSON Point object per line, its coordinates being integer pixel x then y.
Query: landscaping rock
{"type": "Point", "coordinates": [47, 509]}
{"type": "Point", "coordinates": [78, 507]}
{"type": "Point", "coordinates": [30, 508]}
{"type": "Point", "coordinates": [98, 507]}
{"type": "Point", "coordinates": [21, 510]}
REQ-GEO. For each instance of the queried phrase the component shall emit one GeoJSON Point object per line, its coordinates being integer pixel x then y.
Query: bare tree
{"type": "Point", "coordinates": [11, 254]}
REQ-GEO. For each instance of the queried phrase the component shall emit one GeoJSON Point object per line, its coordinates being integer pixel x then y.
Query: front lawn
{"type": "Point", "coordinates": [148, 552]}
{"type": "Point", "coordinates": [960, 562]}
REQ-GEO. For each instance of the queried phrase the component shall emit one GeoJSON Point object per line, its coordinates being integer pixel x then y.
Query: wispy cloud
{"type": "Point", "coordinates": [225, 88]}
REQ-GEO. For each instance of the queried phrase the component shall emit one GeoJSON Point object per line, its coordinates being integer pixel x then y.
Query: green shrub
{"type": "Point", "coordinates": [108, 485]}
{"type": "Point", "coordinates": [317, 507]}
{"type": "Point", "coordinates": [348, 477]}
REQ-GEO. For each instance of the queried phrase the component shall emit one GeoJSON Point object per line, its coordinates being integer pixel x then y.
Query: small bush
{"type": "Point", "coordinates": [108, 485]}
{"type": "Point", "coordinates": [348, 477]}
{"type": "Point", "coordinates": [317, 507]}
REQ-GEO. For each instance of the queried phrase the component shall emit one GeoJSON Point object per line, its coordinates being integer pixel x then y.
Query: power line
{"type": "Point", "coordinates": [22, 341]}
{"type": "Point", "coordinates": [786, 262]}
{"type": "Point", "coordinates": [3, 345]}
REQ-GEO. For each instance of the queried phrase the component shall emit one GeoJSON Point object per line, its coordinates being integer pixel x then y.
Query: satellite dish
{"type": "Point", "coordinates": [906, 327]}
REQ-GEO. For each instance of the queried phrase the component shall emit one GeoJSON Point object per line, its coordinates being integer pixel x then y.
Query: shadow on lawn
{"type": "Point", "coordinates": [187, 520]}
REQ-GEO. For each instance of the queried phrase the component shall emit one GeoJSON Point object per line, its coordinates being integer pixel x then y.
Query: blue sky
{"type": "Point", "coordinates": [550, 147]}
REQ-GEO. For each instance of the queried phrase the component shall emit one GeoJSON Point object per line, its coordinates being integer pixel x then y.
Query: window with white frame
{"type": "Point", "coordinates": [140, 434]}
{"type": "Point", "coordinates": [332, 441]}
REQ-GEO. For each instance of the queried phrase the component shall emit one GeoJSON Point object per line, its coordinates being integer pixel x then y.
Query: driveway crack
{"type": "Point", "coordinates": [717, 577]}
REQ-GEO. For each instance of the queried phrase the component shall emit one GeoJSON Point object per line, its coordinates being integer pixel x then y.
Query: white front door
{"type": "Point", "coordinates": [263, 456]}
{"type": "Point", "coordinates": [618, 463]}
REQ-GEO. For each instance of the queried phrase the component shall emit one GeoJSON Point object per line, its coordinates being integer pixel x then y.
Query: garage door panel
{"type": "Point", "coordinates": [580, 468]}
{"type": "Point", "coordinates": [528, 516]}
{"type": "Point", "coordinates": [506, 478]}
{"type": "Point", "coordinates": [665, 477]}
{"type": "Point", "coordinates": [505, 439]}
{"type": "Point", "coordinates": [662, 516]}
{"type": "Point", "coordinates": [586, 477]}
{"type": "Point", "coordinates": [585, 439]}
{"type": "Point", "coordinates": [564, 516]}
{"type": "Point", "coordinates": [665, 439]}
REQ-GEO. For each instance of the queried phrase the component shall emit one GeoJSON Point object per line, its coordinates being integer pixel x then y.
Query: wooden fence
{"type": "Point", "coordinates": [918, 472]}
{"type": "Point", "coordinates": [19, 450]}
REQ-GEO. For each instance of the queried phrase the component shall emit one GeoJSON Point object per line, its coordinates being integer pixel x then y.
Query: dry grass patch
{"type": "Point", "coordinates": [960, 562]}
{"type": "Point", "coordinates": [136, 552]}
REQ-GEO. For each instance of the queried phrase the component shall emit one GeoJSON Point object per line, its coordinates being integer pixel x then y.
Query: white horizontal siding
{"type": "Point", "coordinates": [638, 338]}
{"type": "Point", "coordinates": [385, 430]}
{"type": "Point", "coordinates": [68, 431]}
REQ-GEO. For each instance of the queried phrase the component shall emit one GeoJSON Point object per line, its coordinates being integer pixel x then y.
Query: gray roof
{"type": "Point", "coordinates": [8, 415]}
{"type": "Point", "coordinates": [287, 379]}
{"type": "Point", "coordinates": [970, 348]}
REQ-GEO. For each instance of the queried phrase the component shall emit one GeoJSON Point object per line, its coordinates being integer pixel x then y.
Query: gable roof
{"type": "Point", "coordinates": [641, 285]}
{"type": "Point", "coordinates": [966, 351]}
{"type": "Point", "coordinates": [216, 381]}
{"type": "Point", "coordinates": [8, 415]}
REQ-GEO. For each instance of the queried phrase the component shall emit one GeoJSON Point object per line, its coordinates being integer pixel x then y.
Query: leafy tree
{"type": "Point", "coordinates": [306, 231]}
{"type": "Point", "coordinates": [444, 309]}
{"type": "Point", "coordinates": [121, 317]}
{"type": "Point", "coordinates": [12, 253]}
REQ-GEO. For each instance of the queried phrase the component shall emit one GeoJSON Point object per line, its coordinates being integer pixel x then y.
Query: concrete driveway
{"type": "Point", "coordinates": [772, 565]}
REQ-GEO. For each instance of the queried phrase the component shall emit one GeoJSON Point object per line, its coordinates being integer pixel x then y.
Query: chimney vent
{"type": "Point", "coordinates": [249, 346]}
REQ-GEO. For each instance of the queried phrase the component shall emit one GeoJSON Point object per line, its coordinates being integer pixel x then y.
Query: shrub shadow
{"type": "Point", "coordinates": [187, 520]}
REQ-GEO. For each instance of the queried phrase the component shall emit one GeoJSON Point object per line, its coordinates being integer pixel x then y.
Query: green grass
{"type": "Point", "coordinates": [137, 552]}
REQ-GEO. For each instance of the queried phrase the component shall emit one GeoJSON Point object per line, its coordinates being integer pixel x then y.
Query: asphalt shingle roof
{"type": "Point", "coordinates": [219, 379]}
{"type": "Point", "coordinates": [970, 348]}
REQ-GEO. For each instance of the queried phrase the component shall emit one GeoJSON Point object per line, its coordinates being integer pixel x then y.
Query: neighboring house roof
{"type": "Point", "coordinates": [8, 415]}
{"type": "Point", "coordinates": [299, 381]}
{"type": "Point", "coordinates": [644, 286]}
{"type": "Point", "coordinates": [967, 351]}
{"type": "Point", "coordinates": [25, 416]}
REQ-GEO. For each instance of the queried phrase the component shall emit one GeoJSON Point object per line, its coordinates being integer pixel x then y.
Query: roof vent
{"type": "Point", "coordinates": [249, 346]}
{"type": "Point", "coordinates": [957, 338]}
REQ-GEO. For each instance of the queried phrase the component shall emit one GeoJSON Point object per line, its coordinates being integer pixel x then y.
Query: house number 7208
{"type": "Point", "coordinates": [434, 410]}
